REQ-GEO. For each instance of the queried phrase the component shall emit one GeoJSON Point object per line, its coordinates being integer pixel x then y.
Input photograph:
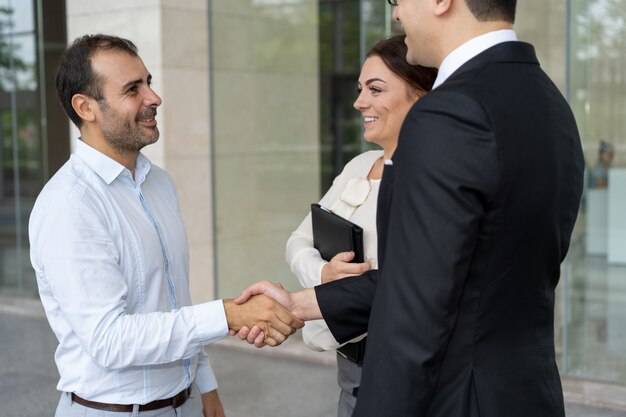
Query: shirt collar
{"type": "Point", "coordinates": [469, 50]}
{"type": "Point", "coordinates": [107, 168]}
{"type": "Point", "coordinates": [142, 168]}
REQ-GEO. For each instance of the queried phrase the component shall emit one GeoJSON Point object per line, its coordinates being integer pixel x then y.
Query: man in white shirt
{"type": "Point", "coordinates": [110, 252]}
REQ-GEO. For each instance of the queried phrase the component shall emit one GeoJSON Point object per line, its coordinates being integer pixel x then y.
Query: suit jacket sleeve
{"type": "Point", "coordinates": [445, 174]}
{"type": "Point", "coordinates": [346, 303]}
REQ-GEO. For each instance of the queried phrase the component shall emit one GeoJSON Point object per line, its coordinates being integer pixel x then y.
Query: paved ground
{"type": "Point", "coordinates": [252, 383]}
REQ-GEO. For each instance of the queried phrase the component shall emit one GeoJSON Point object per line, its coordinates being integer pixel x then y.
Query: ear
{"type": "Point", "coordinates": [84, 107]}
{"type": "Point", "coordinates": [414, 94]}
{"type": "Point", "coordinates": [443, 6]}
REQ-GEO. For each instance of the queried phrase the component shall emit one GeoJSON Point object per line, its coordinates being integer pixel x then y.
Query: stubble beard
{"type": "Point", "coordinates": [124, 136]}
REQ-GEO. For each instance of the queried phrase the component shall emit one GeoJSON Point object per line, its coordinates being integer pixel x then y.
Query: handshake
{"type": "Point", "coordinates": [266, 314]}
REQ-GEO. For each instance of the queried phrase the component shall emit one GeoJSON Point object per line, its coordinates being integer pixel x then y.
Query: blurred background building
{"type": "Point", "coordinates": [257, 119]}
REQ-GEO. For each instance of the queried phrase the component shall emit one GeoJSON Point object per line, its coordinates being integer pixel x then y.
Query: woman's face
{"type": "Point", "coordinates": [384, 101]}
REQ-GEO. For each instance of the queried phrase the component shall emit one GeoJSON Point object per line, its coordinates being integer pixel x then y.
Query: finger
{"type": "Point", "coordinates": [290, 328]}
{"type": "Point", "coordinates": [270, 342]}
{"type": "Point", "coordinates": [245, 295]}
{"type": "Point", "coordinates": [231, 332]}
{"type": "Point", "coordinates": [284, 321]}
{"type": "Point", "coordinates": [243, 332]}
{"type": "Point", "coordinates": [282, 327]}
{"type": "Point", "coordinates": [343, 257]}
{"type": "Point", "coordinates": [254, 289]}
{"type": "Point", "coordinates": [253, 334]}
{"type": "Point", "coordinates": [354, 269]}
{"type": "Point", "coordinates": [258, 342]}
{"type": "Point", "coordinates": [277, 336]}
{"type": "Point", "coordinates": [365, 266]}
{"type": "Point", "coordinates": [276, 293]}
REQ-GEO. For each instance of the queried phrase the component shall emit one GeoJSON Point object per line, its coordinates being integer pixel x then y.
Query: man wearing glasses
{"type": "Point", "coordinates": [475, 215]}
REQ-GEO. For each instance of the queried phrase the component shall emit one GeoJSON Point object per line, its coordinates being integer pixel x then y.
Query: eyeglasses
{"type": "Point", "coordinates": [393, 2]}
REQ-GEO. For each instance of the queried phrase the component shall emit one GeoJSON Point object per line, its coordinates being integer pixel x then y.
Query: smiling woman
{"type": "Point", "coordinates": [388, 86]}
{"type": "Point", "coordinates": [384, 100]}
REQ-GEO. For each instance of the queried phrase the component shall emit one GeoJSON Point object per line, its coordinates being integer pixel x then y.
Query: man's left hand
{"type": "Point", "coordinates": [211, 405]}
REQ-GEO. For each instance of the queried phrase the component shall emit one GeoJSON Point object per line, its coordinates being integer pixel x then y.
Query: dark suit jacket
{"type": "Point", "coordinates": [475, 218]}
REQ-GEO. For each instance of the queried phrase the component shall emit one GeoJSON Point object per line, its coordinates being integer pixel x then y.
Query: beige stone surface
{"type": "Point", "coordinates": [201, 283]}
{"type": "Point", "coordinates": [266, 115]}
{"type": "Point", "coordinates": [186, 113]}
{"type": "Point", "coordinates": [192, 177]}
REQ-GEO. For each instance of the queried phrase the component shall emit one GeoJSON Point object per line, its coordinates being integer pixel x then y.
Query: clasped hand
{"type": "Point", "coordinates": [257, 311]}
{"type": "Point", "coordinates": [265, 333]}
{"type": "Point", "coordinates": [294, 308]}
{"type": "Point", "coordinates": [301, 304]}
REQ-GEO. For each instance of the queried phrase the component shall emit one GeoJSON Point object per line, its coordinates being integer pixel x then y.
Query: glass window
{"type": "Point", "coordinates": [21, 16]}
{"type": "Point", "coordinates": [265, 133]}
{"type": "Point", "coordinates": [596, 291]}
{"type": "Point", "coordinates": [19, 146]}
{"type": "Point", "coordinates": [348, 29]}
{"type": "Point", "coordinates": [340, 57]}
{"type": "Point", "coordinates": [24, 159]}
{"type": "Point", "coordinates": [283, 122]}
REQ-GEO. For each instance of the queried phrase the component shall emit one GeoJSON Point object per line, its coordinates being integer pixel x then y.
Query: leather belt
{"type": "Point", "coordinates": [175, 401]}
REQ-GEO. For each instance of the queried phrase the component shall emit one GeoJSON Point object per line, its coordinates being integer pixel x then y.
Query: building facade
{"type": "Point", "coordinates": [257, 119]}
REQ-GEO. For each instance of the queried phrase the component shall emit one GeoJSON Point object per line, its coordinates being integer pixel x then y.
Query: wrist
{"type": "Point", "coordinates": [229, 311]}
{"type": "Point", "coordinates": [304, 305]}
{"type": "Point", "coordinates": [324, 272]}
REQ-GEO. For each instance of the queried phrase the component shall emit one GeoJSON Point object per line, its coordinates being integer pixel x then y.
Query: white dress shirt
{"type": "Point", "coordinates": [469, 50]}
{"type": "Point", "coordinates": [111, 257]}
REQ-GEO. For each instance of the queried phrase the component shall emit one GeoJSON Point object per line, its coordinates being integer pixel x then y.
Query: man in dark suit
{"type": "Point", "coordinates": [475, 215]}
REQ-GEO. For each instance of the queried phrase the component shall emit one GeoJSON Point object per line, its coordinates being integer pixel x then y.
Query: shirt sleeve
{"type": "Point", "coordinates": [304, 260]}
{"type": "Point", "coordinates": [317, 336]}
{"type": "Point", "coordinates": [77, 263]}
{"type": "Point", "coordinates": [205, 378]}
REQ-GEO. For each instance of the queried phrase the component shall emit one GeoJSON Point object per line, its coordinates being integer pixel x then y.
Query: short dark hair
{"type": "Point", "coordinates": [393, 53]}
{"type": "Point", "coordinates": [75, 74]}
{"type": "Point", "coordinates": [490, 10]}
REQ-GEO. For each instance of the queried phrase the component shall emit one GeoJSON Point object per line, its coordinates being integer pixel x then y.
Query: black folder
{"type": "Point", "coordinates": [333, 234]}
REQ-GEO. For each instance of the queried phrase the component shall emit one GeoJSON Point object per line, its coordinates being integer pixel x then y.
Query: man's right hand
{"type": "Point", "coordinates": [302, 304]}
{"type": "Point", "coordinates": [274, 321]}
